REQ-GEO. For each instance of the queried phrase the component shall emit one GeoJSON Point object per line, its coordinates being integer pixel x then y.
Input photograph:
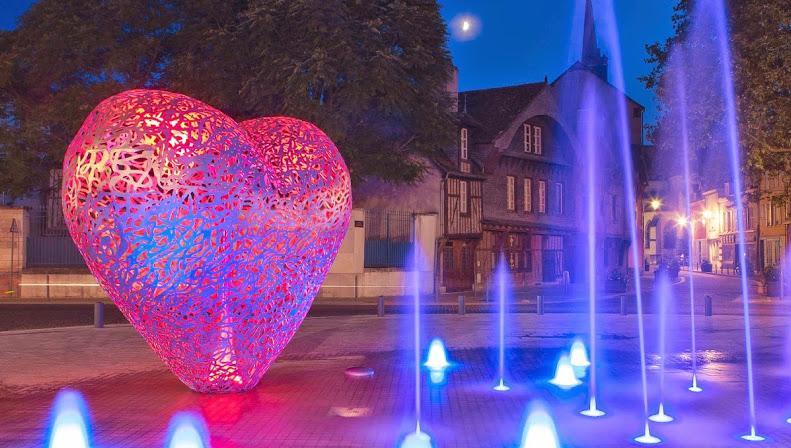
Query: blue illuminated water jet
{"type": "Point", "coordinates": [588, 122]}
{"type": "Point", "coordinates": [187, 430]}
{"type": "Point", "coordinates": [613, 45]}
{"type": "Point", "coordinates": [437, 358]}
{"type": "Point", "coordinates": [716, 8]}
{"type": "Point", "coordinates": [437, 361]}
{"type": "Point", "coordinates": [660, 416]}
{"type": "Point", "coordinates": [681, 97]}
{"type": "Point", "coordinates": [539, 429]}
{"type": "Point", "coordinates": [500, 278]}
{"type": "Point", "coordinates": [663, 295]}
{"type": "Point", "coordinates": [417, 438]}
{"type": "Point", "coordinates": [69, 421]}
{"type": "Point", "coordinates": [565, 378]}
{"type": "Point", "coordinates": [647, 438]}
{"type": "Point", "coordinates": [578, 355]}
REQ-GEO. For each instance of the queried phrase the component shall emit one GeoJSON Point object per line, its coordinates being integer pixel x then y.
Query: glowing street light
{"type": "Point", "coordinates": [682, 221]}
{"type": "Point", "coordinates": [708, 214]}
{"type": "Point", "coordinates": [655, 204]}
{"type": "Point", "coordinates": [465, 25]}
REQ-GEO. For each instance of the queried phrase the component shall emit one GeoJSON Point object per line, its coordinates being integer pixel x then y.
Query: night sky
{"type": "Point", "coordinates": [518, 41]}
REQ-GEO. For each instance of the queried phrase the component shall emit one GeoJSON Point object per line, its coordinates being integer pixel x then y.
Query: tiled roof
{"type": "Point", "coordinates": [495, 108]}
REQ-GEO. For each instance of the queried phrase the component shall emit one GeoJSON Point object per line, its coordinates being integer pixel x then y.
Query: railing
{"type": "Point", "coordinates": [49, 243]}
{"type": "Point", "coordinates": [388, 238]}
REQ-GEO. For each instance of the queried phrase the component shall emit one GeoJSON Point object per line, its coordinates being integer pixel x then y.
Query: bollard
{"type": "Point", "coordinates": [709, 312]}
{"type": "Point", "coordinates": [539, 304]}
{"type": "Point", "coordinates": [380, 308]}
{"type": "Point", "coordinates": [98, 315]}
{"type": "Point", "coordinates": [462, 308]}
{"type": "Point", "coordinates": [623, 306]}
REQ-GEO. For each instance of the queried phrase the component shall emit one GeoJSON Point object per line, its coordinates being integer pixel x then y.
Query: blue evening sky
{"type": "Point", "coordinates": [521, 41]}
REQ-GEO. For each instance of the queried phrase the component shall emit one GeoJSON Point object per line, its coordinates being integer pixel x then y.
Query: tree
{"type": "Point", "coordinates": [371, 74]}
{"type": "Point", "coordinates": [760, 38]}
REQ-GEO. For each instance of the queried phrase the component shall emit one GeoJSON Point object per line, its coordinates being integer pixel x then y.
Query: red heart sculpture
{"type": "Point", "coordinates": [211, 237]}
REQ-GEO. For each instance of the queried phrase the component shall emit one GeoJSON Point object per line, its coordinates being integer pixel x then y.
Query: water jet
{"type": "Point", "coordinates": [69, 425]}
{"type": "Point", "coordinates": [539, 429]}
{"type": "Point", "coordinates": [564, 374]}
{"type": "Point", "coordinates": [187, 430]}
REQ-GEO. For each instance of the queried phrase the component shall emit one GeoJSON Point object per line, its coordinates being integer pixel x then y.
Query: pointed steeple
{"type": "Point", "coordinates": [591, 57]}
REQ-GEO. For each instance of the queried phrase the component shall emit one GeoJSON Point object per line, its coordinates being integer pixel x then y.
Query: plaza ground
{"type": "Point", "coordinates": [305, 400]}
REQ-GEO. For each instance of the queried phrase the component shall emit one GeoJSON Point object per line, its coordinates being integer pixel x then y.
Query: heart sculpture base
{"type": "Point", "coordinates": [211, 236]}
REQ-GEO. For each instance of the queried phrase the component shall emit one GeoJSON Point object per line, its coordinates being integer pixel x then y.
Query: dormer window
{"type": "Point", "coordinates": [463, 147]}
{"type": "Point", "coordinates": [537, 143]}
{"type": "Point", "coordinates": [528, 141]}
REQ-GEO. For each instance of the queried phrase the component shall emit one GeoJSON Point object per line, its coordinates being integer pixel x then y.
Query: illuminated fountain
{"type": "Point", "coordinates": [437, 361]}
{"type": "Point", "coordinates": [416, 438]}
{"type": "Point", "coordinates": [578, 356]}
{"type": "Point", "coordinates": [539, 429]}
{"type": "Point", "coordinates": [588, 122]}
{"type": "Point", "coordinates": [565, 378]}
{"type": "Point", "coordinates": [69, 421]}
{"type": "Point", "coordinates": [681, 96]}
{"type": "Point", "coordinates": [663, 296]}
{"type": "Point", "coordinates": [187, 430]}
{"type": "Point", "coordinates": [716, 8]}
{"type": "Point", "coordinates": [501, 279]}
{"type": "Point", "coordinates": [613, 44]}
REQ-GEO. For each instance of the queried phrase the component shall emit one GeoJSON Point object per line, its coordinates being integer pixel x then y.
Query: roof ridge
{"type": "Point", "coordinates": [514, 86]}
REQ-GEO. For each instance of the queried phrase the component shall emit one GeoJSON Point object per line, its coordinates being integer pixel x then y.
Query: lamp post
{"type": "Point", "coordinates": [13, 231]}
{"type": "Point", "coordinates": [655, 204]}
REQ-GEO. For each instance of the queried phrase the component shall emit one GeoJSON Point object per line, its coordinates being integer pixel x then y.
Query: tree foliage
{"type": "Point", "coordinates": [760, 39]}
{"type": "Point", "coordinates": [372, 74]}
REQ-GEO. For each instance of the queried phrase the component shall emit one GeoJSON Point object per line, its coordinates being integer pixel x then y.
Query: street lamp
{"type": "Point", "coordinates": [655, 203]}
{"type": "Point", "coordinates": [13, 230]}
{"type": "Point", "coordinates": [682, 221]}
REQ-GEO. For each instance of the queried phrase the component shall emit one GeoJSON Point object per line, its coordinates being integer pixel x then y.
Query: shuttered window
{"type": "Point", "coordinates": [510, 186]}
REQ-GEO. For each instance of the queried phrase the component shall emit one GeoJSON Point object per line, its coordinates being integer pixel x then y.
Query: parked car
{"type": "Point", "coordinates": [705, 266]}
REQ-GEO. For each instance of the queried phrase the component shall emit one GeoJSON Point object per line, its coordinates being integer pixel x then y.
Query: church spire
{"type": "Point", "coordinates": [592, 58]}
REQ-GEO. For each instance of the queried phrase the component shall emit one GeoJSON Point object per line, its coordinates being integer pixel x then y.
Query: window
{"type": "Point", "coordinates": [537, 144]}
{"type": "Point", "coordinates": [559, 198]}
{"type": "Point", "coordinates": [510, 185]}
{"type": "Point", "coordinates": [463, 199]}
{"type": "Point", "coordinates": [527, 258]}
{"type": "Point", "coordinates": [528, 195]}
{"type": "Point", "coordinates": [447, 258]}
{"type": "Point", "coordinates": [463, 143]}
{"type": "Point", "coordinates": [748, 211]}
{"type": "Point", "coordinates": [542, 196]}
{"type": "Point", "coordinates": [527, 129]}
{"type": "Point", "coordinates": [777, 213]}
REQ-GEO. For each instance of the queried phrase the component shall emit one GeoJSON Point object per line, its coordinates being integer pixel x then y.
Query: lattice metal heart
{"type": "Point", "coordinates": [212, 237]}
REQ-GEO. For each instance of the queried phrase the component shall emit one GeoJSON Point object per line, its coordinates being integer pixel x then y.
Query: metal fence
{"type": "Point", "coordinates": [388, 238]}
{"type": "Point", "coordinates": [49, 243]}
